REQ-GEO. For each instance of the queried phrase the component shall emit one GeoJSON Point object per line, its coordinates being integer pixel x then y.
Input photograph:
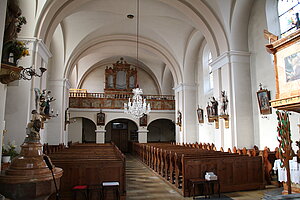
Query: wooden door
{"type": "Point", "coordinates": [120, 138]}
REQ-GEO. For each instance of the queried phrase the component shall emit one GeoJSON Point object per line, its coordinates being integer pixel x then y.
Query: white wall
{"type": "Point", "coordinates": [75, 131]}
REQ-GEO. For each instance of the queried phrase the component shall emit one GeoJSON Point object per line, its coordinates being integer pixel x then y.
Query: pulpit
{"type": "Point", "coordinates": [29, 177]}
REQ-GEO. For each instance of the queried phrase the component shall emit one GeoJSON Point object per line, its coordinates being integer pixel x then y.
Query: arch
{"type": "Point", "coordinates": [196, 12]}
{"type": "Point", "coordinates": [86, 47]}
{"type": "Point", "coordinates": [239, 29]}
{"type": "Point", "coordinates": [161, 130]}
{"type": "Point", "coordinates": [120, 131]}
{"type": "Point", "coordinates": [82, 130]}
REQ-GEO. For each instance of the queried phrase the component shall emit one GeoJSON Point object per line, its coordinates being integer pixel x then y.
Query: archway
{"type": "Point", "coordinates": [161, 130]}
{"type": "Point", "coordinates": [82, 130]}
{"type": "Point", "coordinates": [121, 131]}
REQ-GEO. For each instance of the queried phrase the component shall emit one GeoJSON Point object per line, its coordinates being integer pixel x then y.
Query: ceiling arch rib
{"type": "Point", "coordinates": [194, 10]}
{"type": "Point", "coordinates": [118, 40]}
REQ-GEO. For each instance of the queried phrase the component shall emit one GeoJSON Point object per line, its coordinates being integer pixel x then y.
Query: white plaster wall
{"type": "Point", "coordinates": [75, 131]}
{"type": "Point", "coordinates": [206, 129]}
{"type": "Point", "coordinates": [167, 82]}
{"type": "Point", "coordinates": [94, 82]}
{"type": "Point", "coordinates": [73, 77]}
{"type": "Point", "coordinates": [262, 71]}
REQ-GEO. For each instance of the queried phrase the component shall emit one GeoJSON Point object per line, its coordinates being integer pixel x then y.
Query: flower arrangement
{"type": "Point", "coordinates": [9, 150]}
{"type": "Point", "coordinates": [17, 48]}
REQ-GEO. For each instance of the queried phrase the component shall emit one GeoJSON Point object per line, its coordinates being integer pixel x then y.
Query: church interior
{"type": "Point", "coordinates": [149, 99]}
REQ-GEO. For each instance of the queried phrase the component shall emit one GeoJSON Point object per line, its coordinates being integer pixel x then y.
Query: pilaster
{"type": "Point", "coordinates": [142, 135]}
{"type": "Point", "coordinates": [100, 136]}
{"type": "Point", "coordinates": [186, 99]}
{"type": "Point", "coordinates": [232, 74]}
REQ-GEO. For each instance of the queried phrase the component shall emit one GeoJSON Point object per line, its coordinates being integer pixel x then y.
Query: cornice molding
{"type": "Point", "coordinates": [37, 45]}
{"type": "Point", "coordinates": [230, 57]}
{"type": "Point", "coordinates": [185, 86]}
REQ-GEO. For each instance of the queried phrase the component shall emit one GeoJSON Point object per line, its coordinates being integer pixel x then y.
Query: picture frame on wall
{"type": "Point", "coordinates": [100, 119]}
{"type": "Point", "coordinates": [143, 120]}
{"type": "Point", "coordinates": [200, 115]}
{"type": "Point", "coordinates": [263, 97]}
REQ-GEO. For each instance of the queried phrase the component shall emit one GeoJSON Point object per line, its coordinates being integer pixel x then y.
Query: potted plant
{"type": "Point", "coordinates": [8, 152]}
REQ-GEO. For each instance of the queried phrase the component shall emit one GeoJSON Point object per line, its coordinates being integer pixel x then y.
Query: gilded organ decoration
{"type": "Point", "coordinates": [121, 77]}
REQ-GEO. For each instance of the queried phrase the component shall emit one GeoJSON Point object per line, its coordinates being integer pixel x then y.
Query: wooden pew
{"type": "Point", "coordinates": [178, 164]}
{"type": "Point", "coordinates": [90, 164]}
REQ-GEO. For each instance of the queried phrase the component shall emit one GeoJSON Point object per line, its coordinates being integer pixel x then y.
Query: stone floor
{"type": "Point", "coordinates": [143, 183]}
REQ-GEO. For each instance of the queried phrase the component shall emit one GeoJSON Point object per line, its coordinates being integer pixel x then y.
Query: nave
{"type": "Point", "coordinates": [143, 183]}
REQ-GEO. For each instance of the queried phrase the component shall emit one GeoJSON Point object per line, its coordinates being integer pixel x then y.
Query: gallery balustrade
{"type": "Point", "coordinates": [83, 99]}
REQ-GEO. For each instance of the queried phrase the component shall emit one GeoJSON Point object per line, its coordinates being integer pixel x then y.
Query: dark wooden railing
{"type": "Point", "coordinates": [117, 100]}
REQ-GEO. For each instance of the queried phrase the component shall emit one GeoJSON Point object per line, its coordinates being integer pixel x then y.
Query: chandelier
{"type": "Point", "coordinates": [138, 106]}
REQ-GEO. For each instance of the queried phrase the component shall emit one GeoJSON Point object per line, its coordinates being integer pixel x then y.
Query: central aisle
{"type": "Point", "coordinates": [142, 183]}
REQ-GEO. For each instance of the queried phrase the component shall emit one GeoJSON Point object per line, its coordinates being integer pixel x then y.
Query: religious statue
{"type": "Point", "coordinates": [224, 103]}
{"type": "Point", "coordinates": [45, 99]}
{"type": "Point", "coordinates": [214, 107]}
{"type": "Point", "coordinates": [179, 119]}
{"type": "Point", "coordinates": [208, 110]}
{"type": "Point", "coordinates": [33, 128]}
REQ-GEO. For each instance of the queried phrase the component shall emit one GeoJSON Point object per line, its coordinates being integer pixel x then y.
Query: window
{"type": "Point", "coordinates": [211, 78]}
{"type": "Point", "coordinates": [287, 12]}
{"type": "Point", "coordinates": [208, 81]}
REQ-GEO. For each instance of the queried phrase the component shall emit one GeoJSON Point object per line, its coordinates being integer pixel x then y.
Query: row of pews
{"type": "Point", "coordinates": [268, 156]}
{"type": "Point", "coordinates": [89, 164]}
{"type": "Point", "coordinates": [180, 163]}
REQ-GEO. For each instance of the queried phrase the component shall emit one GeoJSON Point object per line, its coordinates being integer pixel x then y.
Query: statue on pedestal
{"type": "Point", "coordinates": [214, 107]}
{"type": "Point", "coordinates": [224, 104]}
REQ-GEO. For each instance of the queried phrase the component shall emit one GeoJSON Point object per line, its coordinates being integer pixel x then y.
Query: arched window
{"type": "Point", "coordinates": [211, 78]}
{"type": "Point", "coordinates": [288, 13]}
{"type": "Point", "coordinates": [207, 70]}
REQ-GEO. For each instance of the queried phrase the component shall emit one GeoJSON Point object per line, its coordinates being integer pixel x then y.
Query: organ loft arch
{"type": "Point", "coordinates": [82, 130]}
{"type": "Point", "coordinates": [161, 130]}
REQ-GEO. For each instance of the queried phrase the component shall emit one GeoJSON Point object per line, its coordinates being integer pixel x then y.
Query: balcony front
{"type": "Point", "coordinates": [83, 99]}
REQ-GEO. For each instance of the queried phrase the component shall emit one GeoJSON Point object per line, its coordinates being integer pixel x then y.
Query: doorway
{"type": "Point", "coordinates": [120, 132]}
{"type": "Point", "coordinates": [88, 131]}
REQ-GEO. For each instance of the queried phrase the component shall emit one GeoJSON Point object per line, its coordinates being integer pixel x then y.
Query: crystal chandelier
{"type": "Point", "coordinates": [138, 106]}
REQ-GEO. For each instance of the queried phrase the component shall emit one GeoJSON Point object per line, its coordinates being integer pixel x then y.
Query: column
{"type": "Point", "coordinates": [178, 108]}
{"type": "Point", "coordinates": [190, 113]}
{"type": "Point", "coordinates": [186, 98]}
{"type": "Point", "coordinates": [142, 135]}
{"type": "Point", "coordinates": [55, 126]}
{"type": "Point", "coordinates": [100, 135]}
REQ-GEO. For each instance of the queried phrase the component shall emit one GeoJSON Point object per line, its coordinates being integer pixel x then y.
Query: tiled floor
{"type": "Point", "coordinates": [143, 183]}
